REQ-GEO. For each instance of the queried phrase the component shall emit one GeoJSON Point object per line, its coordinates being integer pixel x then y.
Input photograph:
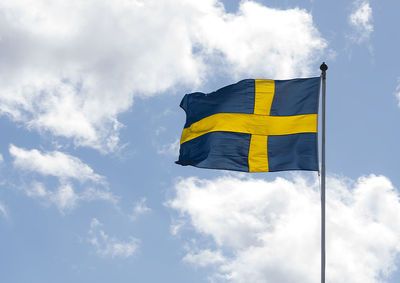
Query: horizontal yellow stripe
{"type": "Point", "coordinates": [258, 154]}
{"type": "Point", "coordinates": [251, 124]}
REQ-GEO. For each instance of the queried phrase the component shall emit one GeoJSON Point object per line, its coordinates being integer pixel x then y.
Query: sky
{"type": "Point", "coordinates": [90, 126]}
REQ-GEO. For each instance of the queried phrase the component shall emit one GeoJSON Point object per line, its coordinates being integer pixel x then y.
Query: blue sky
{"type": "Point", "coordinates": [90, 122]}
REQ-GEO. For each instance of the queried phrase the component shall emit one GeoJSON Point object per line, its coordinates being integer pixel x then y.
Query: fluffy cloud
{"type": "Point", "coordinates": [269, 231]}
{"type": "Point", "coordinates": [53, 163]}
{"type": "Point", "coordinates": [66, 169]}
{"type": "Point", "coordinates": [360, 20]}
{"type": "Point", "coordinates": [107, 246]}
{"type": "Point", "coordinates": [1, 158]}
{"type": "Point", "coordinates": [204, 257]}
{"type": "Point", "coordinates": [66, 197]}
{"type": "Point", "coordinates": [70, 67]}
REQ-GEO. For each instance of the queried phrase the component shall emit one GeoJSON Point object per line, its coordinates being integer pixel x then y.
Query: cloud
{"type": "Point", "coordinates": [3, 210]}
{"type": "Point", "coordinates": [54, 163]}
{"type": "Point", "coordinates": [1, 158]}
{"type": "Point", "coordinates": [361, 20]}
{"type": "Point", "coordinates": [270, 230]}
{"type": "Point", "coordinates": [204, 258]}
{"type": "Point", "coordinates": [71, 67]}
{"type": "Point", "coordinates": [65, 197]}
{"type": "Point", "coordinates": [66, 169]}
{"type": "Point", "coordinates": [139, 208]}
{"type": "Point", "coordinates": [107, 246]}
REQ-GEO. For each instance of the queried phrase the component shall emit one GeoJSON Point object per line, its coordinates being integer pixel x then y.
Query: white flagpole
{"type": "Point", "coordinates": [323, 68]}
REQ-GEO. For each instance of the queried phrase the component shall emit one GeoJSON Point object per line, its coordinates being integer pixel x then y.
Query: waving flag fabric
{"type": "Point", "coordinates": [253, 126]}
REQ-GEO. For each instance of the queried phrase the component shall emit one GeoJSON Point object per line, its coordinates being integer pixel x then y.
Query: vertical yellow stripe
{"type": "Point", "coordinates": [258, 154]}
{"type": "Point", "coordinates": [264, 94]}
{"type": "Point", "coordinates": [258, 151]}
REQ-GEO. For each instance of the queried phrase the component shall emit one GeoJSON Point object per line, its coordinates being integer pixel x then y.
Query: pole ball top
{"type": "Point", "coordinates": [323, 67]}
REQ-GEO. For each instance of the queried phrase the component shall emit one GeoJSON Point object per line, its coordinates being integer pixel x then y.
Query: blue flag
{"type": "Point", "coordinates": [253, 126]}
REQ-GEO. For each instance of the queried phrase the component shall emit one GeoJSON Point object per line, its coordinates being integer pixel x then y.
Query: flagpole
{"type": "Point", "coordinates": [323, 68]}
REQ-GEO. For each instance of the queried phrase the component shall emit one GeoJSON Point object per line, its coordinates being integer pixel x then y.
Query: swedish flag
{"type": "Point", "coordinates": [253, 126]}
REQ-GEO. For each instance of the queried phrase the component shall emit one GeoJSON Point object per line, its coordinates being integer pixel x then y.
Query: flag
{"type": "Point", "coordinates": [253, 126]}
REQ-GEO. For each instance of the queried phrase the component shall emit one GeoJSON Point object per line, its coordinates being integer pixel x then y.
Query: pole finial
{"type": "Point", "coordinates": [323, 67]}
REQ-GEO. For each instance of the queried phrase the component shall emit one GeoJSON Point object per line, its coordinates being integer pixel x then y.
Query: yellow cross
{"type": "Point", "coordinates": [259, 124]}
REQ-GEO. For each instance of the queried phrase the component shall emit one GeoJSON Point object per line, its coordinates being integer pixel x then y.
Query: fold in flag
{"type": "Point", "coordinates": [253, 126]}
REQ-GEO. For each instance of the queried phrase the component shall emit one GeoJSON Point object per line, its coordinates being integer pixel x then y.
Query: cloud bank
{"type": "Point", "coordinates": [70, 67]}
{"type": "Point", "coordinates": [66, 169]}
{"type": "Point", "coordinates": [253, 230]}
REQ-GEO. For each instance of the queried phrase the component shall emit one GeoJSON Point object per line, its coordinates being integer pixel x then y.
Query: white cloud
{"type": "Point", "coordinates": [70, 67]}
{"type": "Point", "coordinates": [140, 207]}
{"type": "Point", "coordinates": [66, 197]}
{"type": "Point", "coordinates": [1, 158]}
{"type": "Point", "coordinates": [361, 21]}
{"type": "Point", "coordinates": [270, 230]}
{"type": "Point", "coordinates": [204, 258]}
{"type": "Point", "coordinates": [90, 194]}
{"type": "Point", "coordinates": [3, 210]}
{"type": "Point", "coordinates": [66, 168]}
{"type": "Point", "coordinates": [107, 246]}
{"type": "Point", "coordinates": [54, 163]}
